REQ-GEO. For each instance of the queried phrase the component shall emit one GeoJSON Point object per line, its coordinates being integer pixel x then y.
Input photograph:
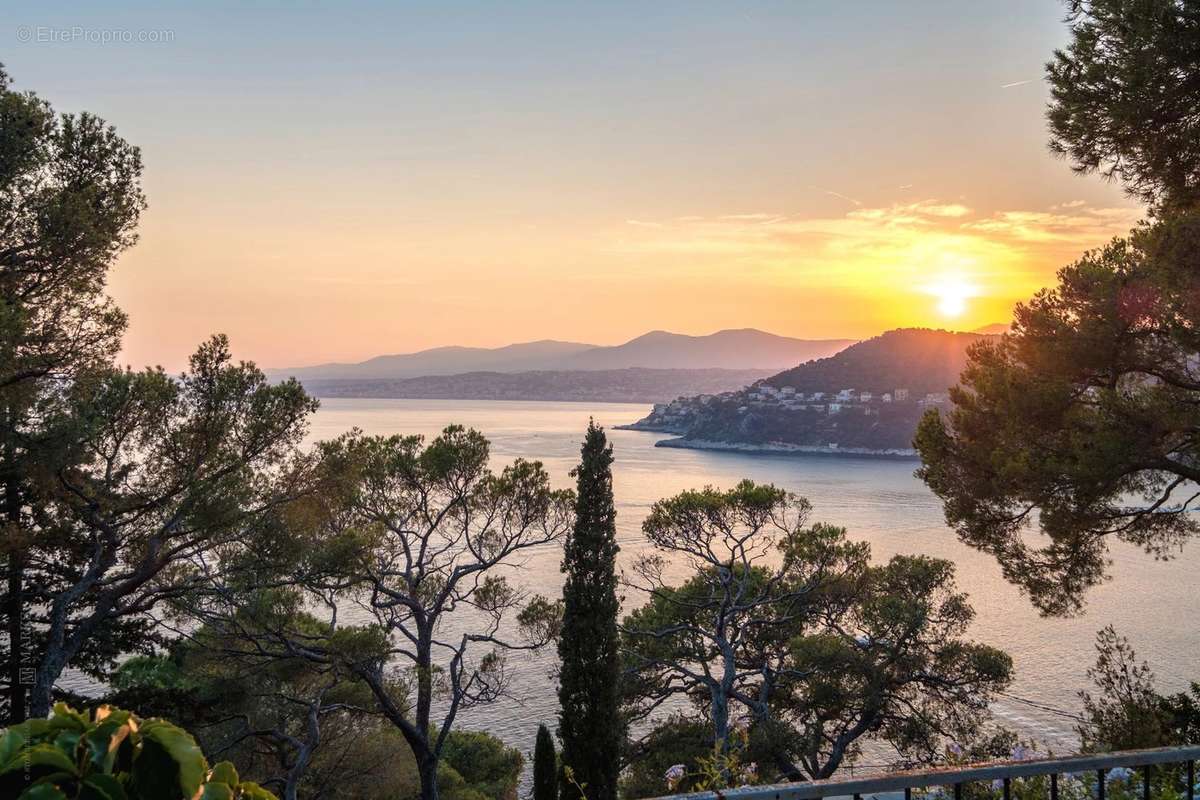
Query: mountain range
{"type": "Point", "coordinates": [743, 349]}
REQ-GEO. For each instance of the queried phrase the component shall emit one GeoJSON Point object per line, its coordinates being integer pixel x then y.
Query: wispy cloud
{"type": "Point", "coordinates": [897, 247]}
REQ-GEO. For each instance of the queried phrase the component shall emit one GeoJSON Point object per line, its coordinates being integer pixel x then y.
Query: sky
{"type": "Point", "coordinates": [336, 181]}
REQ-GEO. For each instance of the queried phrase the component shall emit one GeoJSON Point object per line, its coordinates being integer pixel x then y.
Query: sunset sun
{"type": "Point", "coordinates": [951, 294]}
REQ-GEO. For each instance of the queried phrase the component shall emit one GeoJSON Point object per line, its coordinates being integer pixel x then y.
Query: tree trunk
{"type": "Point", "coordinates": [720, 718]}
{"type": "Point", "coordinates": [41, 693]}
{"type": "Point", "coordinates": [17, 708]}
{"type": "Point", "coordinates": [15, 605]}
{"type": "Point", "coordinates": [427, 766]}
{"type": "Point", "coordinates": [304, 754]}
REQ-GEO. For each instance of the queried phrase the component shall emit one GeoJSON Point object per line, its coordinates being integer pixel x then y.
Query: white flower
{"type": "Point", "coordinates": [1120, 774]}
{"type": "Point", "coordinates": [1023, 753]}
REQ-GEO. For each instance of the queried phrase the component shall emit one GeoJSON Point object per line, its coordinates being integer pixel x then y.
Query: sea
{"type": "Point", "coordinates": [1154, 603]}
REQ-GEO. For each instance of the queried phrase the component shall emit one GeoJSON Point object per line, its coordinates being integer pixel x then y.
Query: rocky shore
{"type": "Point", "coordinates": [781, 448]}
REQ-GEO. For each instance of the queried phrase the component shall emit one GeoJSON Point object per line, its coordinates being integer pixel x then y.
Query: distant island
{"type": "Point", "coordinates": [865, 400]}
{"type": "Point", "coordinates": [633, 385]}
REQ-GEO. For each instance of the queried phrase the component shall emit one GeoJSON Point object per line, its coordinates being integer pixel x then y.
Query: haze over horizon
{"type": "Point", "coordinates": [323, 189]}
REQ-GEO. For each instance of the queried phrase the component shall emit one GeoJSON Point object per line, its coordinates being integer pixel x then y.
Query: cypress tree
{"type": "Point", "coordinates": [545, 770]}
{"type": "Point", "coordinates": [589, 718]}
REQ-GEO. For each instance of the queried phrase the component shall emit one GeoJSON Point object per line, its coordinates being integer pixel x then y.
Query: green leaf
{"type": "Point", "coordinates": [43, 791]}
{"type": "Point", "coordinates": [103, 741]}
{"type": "Point", "coordinates": [224, 772]}
{"type": "Point", "coordinates": [102, 787]}
{"type": "Point", "coordinates": [67, 718]}
{"type": "Point", "coordinates": [31, 728]}
{"type": "Point", "coordinates": [217, 791]}
{"type": "Point", "coordinates": [110, 714]}
{"type": "Point", "coordinates": [252, 791]}
{"type": "Point", "coordinates": [170, 764]}
{"type": "Point", "coordinates": [40, 755]}
{"type": "Point", "coordinates": [10, 743]}
{"type": "Point", "coordinates": [67, 742]}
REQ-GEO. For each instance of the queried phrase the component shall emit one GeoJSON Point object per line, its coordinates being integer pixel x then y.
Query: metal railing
{"type": "Point", "coordinates": [958, 777]}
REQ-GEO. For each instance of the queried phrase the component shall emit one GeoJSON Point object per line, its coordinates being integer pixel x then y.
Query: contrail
{"type": "Point", "coordinates": [1017, 83]}
{"type": "Point", "coordinates": [832, 193]}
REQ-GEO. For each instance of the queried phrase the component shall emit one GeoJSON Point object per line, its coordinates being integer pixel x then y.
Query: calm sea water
{"type": "Point", "coordinates": [1155, 604]}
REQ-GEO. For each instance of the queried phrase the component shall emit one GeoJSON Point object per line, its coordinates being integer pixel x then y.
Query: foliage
{"type": "Point", "coordinates": [112, 755]}
{"type": "Point", "coordinates": [795, 630]}
{"type": "Point", "coordinates": [679, 740]}
{"type": "Point", "coordinates": [1126, 712]}
{"type": "Point", "coordinates": [1124, 95]}
{"type": "Point", "coordinates": [285, 720]}
{"type": "Point", "coordinates": [895, 664]}
{"type": "Point", "coordinates": [1081, 422]}
{"type": "Point", "coordinates": [420, 535]}
{"type": "Point", "coordinates": [545, 766]}
{"type": "Point", "coordinates": [722, 767]}
{"type": "Point", "coordinates": [589, 697]}
{"type": "Point", "coordinates": [70, 198]}
{"type": "Point", "coordinates": [487, 767]}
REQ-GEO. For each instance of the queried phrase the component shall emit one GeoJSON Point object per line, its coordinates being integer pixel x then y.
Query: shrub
{"type": "Point", "coordinates": [484, 764]}
{"type": "Point", "coordinates": [112, 755]}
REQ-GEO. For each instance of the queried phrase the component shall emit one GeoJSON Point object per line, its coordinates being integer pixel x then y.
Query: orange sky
{"type": "Point", "coordinates": [337, 182]}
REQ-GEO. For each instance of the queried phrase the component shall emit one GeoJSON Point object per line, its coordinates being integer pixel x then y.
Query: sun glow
{"type": "Point", "coordinates": [952, 293]}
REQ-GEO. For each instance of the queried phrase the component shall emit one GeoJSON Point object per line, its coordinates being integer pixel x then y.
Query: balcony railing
{"type": "Point", "coordinates": [956, 778]}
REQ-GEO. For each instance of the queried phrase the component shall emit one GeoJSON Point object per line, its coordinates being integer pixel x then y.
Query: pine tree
{"type": "Point", "coordinates": [545, 769]}
{"type": "Point", "coordinates": [589, 719]}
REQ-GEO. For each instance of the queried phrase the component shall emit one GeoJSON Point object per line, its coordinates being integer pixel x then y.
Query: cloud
{"type": "Point", "coordinates": [1072, 223]}
{"type": "Point", "coordinates": [889, 248]}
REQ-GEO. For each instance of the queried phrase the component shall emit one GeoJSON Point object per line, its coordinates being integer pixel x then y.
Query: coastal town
{"type": "Point", "coordinates": [683, 413]}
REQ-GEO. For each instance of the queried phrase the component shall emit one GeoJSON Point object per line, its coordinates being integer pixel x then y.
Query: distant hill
{"type": "Point", "coordinates": [804, 409]}
{"type": "Point", "coordinates": [745, 348]}
{"type": "Point", "coordinates": [635, 385]}
{"type": "Point", "coordinates": [733, 349]}
{"type": "Point", "coordinates": [994, 329]}
{"type": "Point", "coordinates": [443, 361]}
{"type": "Point", "coordinates": [919, 359]}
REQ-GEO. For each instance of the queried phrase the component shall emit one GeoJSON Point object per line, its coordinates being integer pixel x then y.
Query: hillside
{"type": "Point", "coordinates": [919, 359]}
{"type": "Point", "coordinates": [734, 349]}
{"type": "Point", "coordinates": [867, 399]}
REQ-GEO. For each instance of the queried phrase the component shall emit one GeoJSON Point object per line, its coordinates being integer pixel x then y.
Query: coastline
{"type": "Point", "coordinates": [782, 448]}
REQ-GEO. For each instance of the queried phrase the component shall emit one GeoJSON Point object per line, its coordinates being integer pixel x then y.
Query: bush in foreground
{"type": "Point", "coordinates": [112, 755]}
